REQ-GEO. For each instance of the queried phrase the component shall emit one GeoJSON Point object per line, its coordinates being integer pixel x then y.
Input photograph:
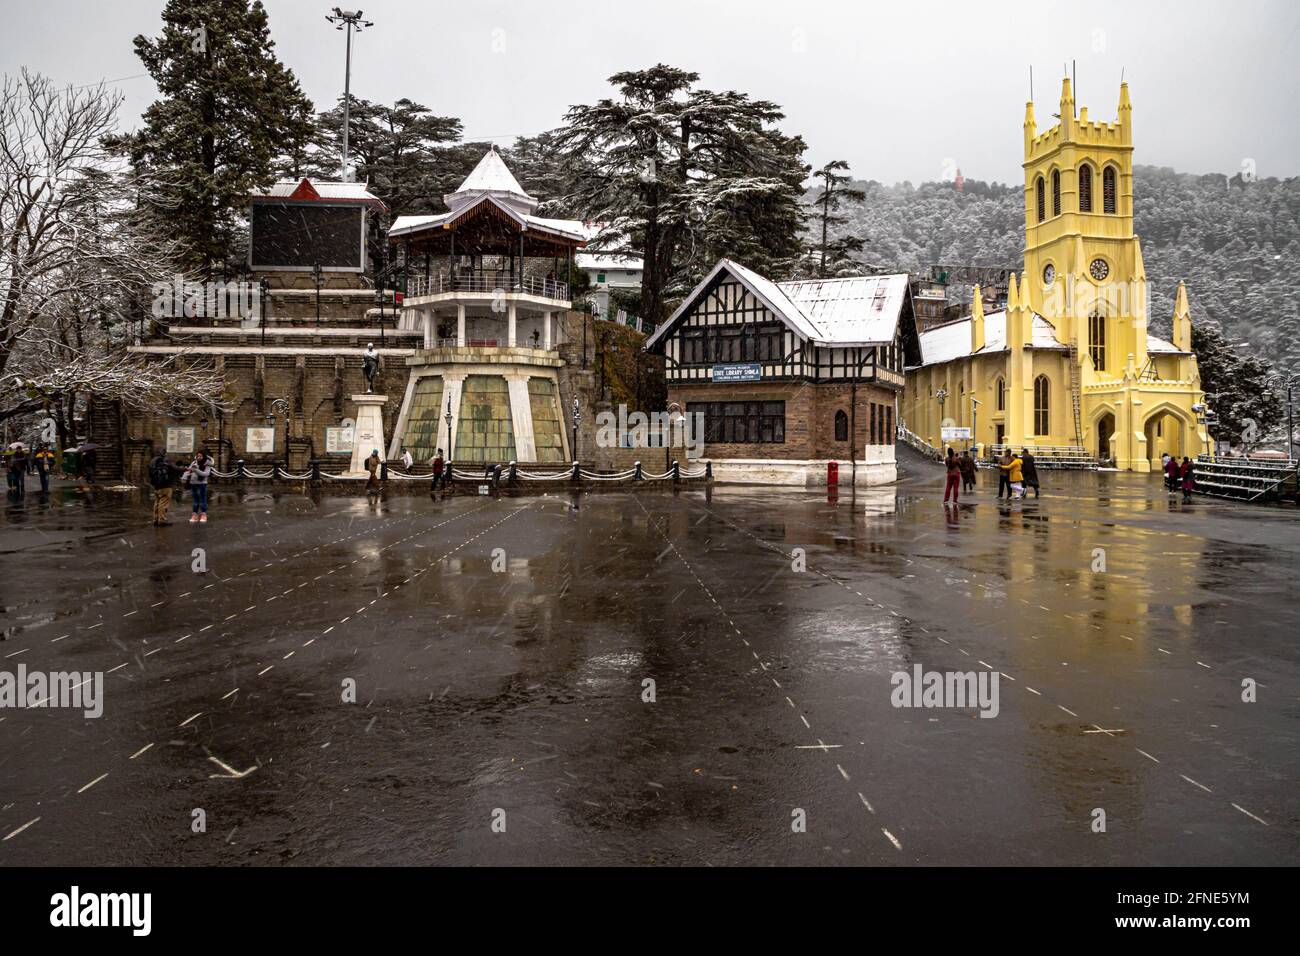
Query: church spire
{"type": "Point", "coordinates": [977, 321]}
{"type": "Point", "coordinates": [1031, 126]}
{"type": "Point", "coordinates": [1182, 320]}
{"type": "Point", "coordinates": [1067, 109]}
{"type": "Point", "coordinates": [1125, 116]}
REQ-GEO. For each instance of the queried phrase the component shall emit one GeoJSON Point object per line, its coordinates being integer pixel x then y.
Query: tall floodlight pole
{"type": "Point", "coordinates": [349, 21]}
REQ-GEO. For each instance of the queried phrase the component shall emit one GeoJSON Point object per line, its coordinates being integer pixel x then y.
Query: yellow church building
{"type": "Point", "coordinates": [1068, 367]}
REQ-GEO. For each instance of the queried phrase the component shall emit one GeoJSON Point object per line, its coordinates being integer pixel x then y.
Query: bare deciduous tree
{"type": "Point", "coordinates": [79, 249]}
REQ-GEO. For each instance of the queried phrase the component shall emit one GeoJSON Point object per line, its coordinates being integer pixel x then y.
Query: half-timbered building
{"type": "Point", "coordinates": [791, 376]}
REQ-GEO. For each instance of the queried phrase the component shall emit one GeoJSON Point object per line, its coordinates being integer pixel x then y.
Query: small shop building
{"type": "Point", "coordinates": [790, 377]}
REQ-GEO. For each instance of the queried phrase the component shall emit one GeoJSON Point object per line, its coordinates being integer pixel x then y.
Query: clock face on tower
{"type": "Point", "coordinates": [1049, 274]}
{"type": "Point", "coordinates": [1099, 269]}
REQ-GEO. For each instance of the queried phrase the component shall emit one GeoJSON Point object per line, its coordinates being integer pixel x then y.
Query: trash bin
{"type": "Point", "coordinates": [832, 474]}
{"type": "Point", "coordinates": [71, 462]}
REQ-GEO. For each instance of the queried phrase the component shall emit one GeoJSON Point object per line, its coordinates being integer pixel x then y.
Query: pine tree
{"type": "Point", "coordinates": [1245, 408]}
{"type": "Point", "coordinates": [229, 109]}
{"type": "Point", "coordinates": [408, 155]}
{"type": "Point", "coordinates": [685, 175]}
{"type": "Point", "coordinates": [835, 254]}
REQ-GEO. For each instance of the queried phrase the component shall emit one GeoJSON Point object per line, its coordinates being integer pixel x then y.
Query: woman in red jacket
{"type": "Point", "coordinates": [953, 484]}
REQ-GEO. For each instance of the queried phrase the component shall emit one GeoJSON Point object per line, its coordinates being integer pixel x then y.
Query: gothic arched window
{"type": "Point", "coordinates": [1038, 188]}
{"type": "Point", "coordinates": [1085, 188]}
{"type": "Point", "coordinates": [1056, 192]}
{"type": "Point", "coordinates": [841, 426]}
{"type": "Point", "coordinates": [1000, 390]}
{"type": "Point", "coordinates": [1097, 341]}
{"type": "Point", "coordinates": [1108, 189]}
{"type": "Point", "coordinates": [1042, 418]}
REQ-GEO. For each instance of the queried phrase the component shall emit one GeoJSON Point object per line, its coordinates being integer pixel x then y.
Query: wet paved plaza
{"type": "Point", "coordinates": [500, 651]}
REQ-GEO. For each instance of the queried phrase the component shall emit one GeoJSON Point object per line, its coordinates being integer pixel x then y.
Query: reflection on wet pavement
{"type": "Point", "coordinates": [657, 678]}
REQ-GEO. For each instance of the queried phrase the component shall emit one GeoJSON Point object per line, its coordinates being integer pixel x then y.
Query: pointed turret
{"type": "Point", "coordinates": [1013, 295]}
{"type": "Point", "coordinates": [1125, 115]}
{"type": "Point", "coordinates": [977, 321]}
{"type": "Point", "coordinates": [1182, 320]}
{"type": "Point", "coordinates": [1067, 109]}
{"type": "Point", "coordinates": [1031, 127]}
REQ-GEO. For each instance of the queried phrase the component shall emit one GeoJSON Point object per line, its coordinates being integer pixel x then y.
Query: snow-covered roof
{"type": "Point", "coordinates": [568, 228]}
{"type": "Point", "coordinates": [860, 310]}
{"type": "Point", "coordinates": [944, 343]}
{"type": "Point", "coordinates": [608, 260]}
{"type": "Point", "coordinates": [316, 190]}
{"type": "Point", "coordinates": [491, 177]}
{"type": "Point", "coordinates": [1155, 344]}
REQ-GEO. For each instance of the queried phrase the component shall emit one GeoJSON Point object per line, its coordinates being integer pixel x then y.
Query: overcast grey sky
{"type": "Point", "coordinates": [902, 90]}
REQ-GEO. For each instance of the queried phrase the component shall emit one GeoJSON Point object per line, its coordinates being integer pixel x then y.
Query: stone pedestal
{"type": "Point", "coordinates": [368, 434]}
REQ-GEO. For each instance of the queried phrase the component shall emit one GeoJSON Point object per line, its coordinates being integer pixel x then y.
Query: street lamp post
{"type": "Point", "coordinates": [264, 299]}
{"type": "Point", "coordinates": [941, 395]}
{"type": "Point", "coordinates": [347, 20]}
{"type": "Point", "coordinates": [1288, 379]}
{"type": "Point", "coordinates": [316, 273]}
{"type": "Point", "coordinates": [577, 417]}
{"type": "Point", "coordinates": [451, 445]}
{"type": "Point", "coordinates": [280, 406]}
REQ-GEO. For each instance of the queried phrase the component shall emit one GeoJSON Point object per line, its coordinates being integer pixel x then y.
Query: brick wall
{"type": "Point", "coordinates": [809, 417]}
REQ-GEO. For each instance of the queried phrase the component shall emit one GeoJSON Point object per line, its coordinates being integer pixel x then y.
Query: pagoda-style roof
{"type": "Point", "coordinates": [490, 214]}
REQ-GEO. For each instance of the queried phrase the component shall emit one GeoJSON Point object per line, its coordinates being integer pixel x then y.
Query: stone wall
{"type": "Point", "coordinates": [809, 418]}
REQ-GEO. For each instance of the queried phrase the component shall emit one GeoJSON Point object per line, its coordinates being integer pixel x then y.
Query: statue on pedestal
{"type": "Point", "coordinates": [370, 367]}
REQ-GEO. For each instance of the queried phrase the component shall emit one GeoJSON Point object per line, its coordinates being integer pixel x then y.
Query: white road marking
{"type": "Point", "coordinates": [1251, 815]}
{"type": "Point", "coordinates": [92, 783]}
{"type": "Point", "coordinates": [14, 833]}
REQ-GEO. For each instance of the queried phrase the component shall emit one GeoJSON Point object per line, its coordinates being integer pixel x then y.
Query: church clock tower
{"type": "Point", "coordinates": [1083, 263]}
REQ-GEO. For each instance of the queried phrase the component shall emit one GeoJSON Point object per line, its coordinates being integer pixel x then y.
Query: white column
{"type": "Point", "coordinates": [510, 325]}
{"type": "Point", "coordinates": [521, 417]}
{"type": "Point", "coordinates": [430, 320]}
{"type": "Point", "coordinates": [460, 325]}
{"type": "Point", "coordinates": [451, 387]}
{"type": "Point", "coordinates": [546, 330]}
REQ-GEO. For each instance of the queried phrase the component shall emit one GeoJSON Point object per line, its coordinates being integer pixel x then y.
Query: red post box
{"type": "Point", "coordinates": [832, 474]}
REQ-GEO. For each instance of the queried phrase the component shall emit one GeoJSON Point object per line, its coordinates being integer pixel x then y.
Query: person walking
{"type": "Point", "coordinates": [407, 460]}
{"type": "Point", "coordinates": [438, 478]}
{"type": "Point", "coordinates": [952, 483]}
{"type": "Point", "coordinates": [1012, 468]}
{"type": "Point", "coordinates": [199, 471]}
{"type": "Point", "coordinates": [9, 467]}
{"type": "Point", "coordinates": [1187, 475]}
{"type": "Point", "coordinates": [1029, 469]}
{"type": "Point", "coordinates": [162, 476]}
{"type": "Point", "coordinates": [19, 468]}
{"type": "Point", "coordinates": [44, 462]}
{"type": "Point", "coordinates": [1164, 466]}
{"type": "Point", "coordinates": [1004, 482]}
{"type": "Point", "coordinates": [89, 462]}
{"type": "Point", "coordinates": [966, 465]}
{"type": "Point", "coordinates": [372, 466]}
{"type": "Point", "coordinates": [1172, 474]}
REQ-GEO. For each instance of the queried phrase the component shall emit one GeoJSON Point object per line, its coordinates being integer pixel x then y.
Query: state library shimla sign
{"type": "Point", "coordinates": [742, 372]}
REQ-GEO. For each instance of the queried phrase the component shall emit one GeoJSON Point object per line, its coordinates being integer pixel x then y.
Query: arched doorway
{"type": "Point", "coordinates": [1105, 429]}
{"type": "Point", "coordinates": [1166, 431]}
